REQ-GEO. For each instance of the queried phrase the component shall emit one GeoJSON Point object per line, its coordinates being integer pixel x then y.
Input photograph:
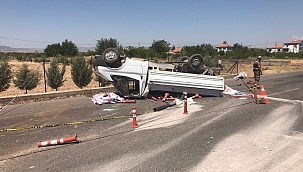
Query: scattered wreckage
{"type": "Point", "coordinates": [134, 78]}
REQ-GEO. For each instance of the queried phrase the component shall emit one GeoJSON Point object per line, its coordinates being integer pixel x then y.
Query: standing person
{"type": "Point", "coordinates": [257, 70]}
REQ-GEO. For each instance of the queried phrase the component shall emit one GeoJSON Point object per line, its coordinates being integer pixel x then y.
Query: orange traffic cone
{"type": "Point", "coordinates": [263, 94]}
{"type": "Point", "coordinates": [58, 141]}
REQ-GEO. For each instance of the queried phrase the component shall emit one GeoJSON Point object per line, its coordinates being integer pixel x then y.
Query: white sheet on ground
{"type": "Point", "coordinates": [229, 91]}
{"type": "Point", "coordinates": [232, 92]}
{"type": "Point", "coordinates": [104, 98]}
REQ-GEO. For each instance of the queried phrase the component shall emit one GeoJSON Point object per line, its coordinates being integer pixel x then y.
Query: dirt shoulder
{"type": "Point", "coordinates": [68, 84]}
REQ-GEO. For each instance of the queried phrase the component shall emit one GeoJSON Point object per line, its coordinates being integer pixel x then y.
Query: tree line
{"type": "Point", "coordinates": [28, 79]}
{"type": "Point", "coordinates": [67, 53]}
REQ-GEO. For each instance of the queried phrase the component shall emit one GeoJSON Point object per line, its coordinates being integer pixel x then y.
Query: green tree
{"type": "Point", "coordinates": [68, 48]}
{"type": "Point", "coordinates": [81, 72]}
{"type": "Point", "coordinates": [130, 51]}
{"type": "Point", "coordinates": [52, 50]}
{"type": "Point", "coordinates": [89, 53]}
{"type": "Point", "coordinates": [173, 47]}
{"type": "Point", "coordinates": [2, 55]}
{"type": "Point", "coordinates": [5, 76]}
{"type": "Point", "coordinates": [55, 75]}
{"type": "Point", "coordinates": [62, 59]}
{"type": "Point", "coordinates": [160, 47]}
{"type": "Point", "coordinates": [221, 53]}
{"type": "Point", "coordinates": [209, 50]}
{"type": "Point", "coordinates": [203, 49]}
{"type": "Point", "coordinates": [105, 43]}
{"type": "Point", "coordinates": [26, 79]}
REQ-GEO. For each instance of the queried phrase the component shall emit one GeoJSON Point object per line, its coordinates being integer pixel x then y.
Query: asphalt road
{"type": "Point", "coordinates": [217, 134]}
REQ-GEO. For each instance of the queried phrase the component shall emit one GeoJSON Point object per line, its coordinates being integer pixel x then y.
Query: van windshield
{"type": "Point", "coordinates": [128, 87]}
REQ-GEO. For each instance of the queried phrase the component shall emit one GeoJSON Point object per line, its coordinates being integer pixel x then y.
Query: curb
{"type": "Point", "coordinates": [26, 98]}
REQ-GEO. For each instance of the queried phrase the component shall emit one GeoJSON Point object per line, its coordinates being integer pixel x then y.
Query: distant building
{"type": "Point", "coordinates": [294, 47]}
{"type": "Point", "coordinates": [275, 49]}
{"type": "Point", "coordinates": [176, 50]}
{"type": "Point", "coordinates": [224, 47]}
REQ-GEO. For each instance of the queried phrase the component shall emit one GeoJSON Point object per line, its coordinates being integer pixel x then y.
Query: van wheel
{"type": "Point", "coordinates": [195, 62]}
{"type": "Point", "coordinates": [111, 55]}
{"type": "Point", "coordinates": [183, 59]}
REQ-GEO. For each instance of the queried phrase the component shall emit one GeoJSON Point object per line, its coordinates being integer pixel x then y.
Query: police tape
{"type": "Point", "coordinates": [71, 123]}
{"type": "Point", "coordinates": [87, 121]}
{"type": "Point", "coordinates": [64, 124]}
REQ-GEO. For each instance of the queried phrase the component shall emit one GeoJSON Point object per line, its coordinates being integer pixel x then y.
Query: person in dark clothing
{"type": "Point", "coordinates": [257, 70]}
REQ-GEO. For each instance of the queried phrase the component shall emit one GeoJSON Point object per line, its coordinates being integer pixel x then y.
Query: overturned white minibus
{"type": "Point", "coordinates": [138, 78]}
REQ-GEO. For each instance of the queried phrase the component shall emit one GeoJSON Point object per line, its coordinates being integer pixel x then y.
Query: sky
{"type": "Point", "coordinates": [252, 23]}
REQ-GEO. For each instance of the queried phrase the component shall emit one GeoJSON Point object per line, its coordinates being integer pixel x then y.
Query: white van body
{"type": "Point", "coordinates": [138, 78]}
{"type": "Point", "coordinates": [179, 82]}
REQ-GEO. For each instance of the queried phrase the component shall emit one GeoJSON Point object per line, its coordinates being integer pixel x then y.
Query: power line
{"type": "Point", "coordinates": [24, 40]}
{"type": "Point", "coordinates": [43, 42]}
{"type": "Point", "coordinates": [265, 43]}
{"type": "Point", "coordinates": [86, 44]}
{"type": "Point", "coordinates": [124, 44]}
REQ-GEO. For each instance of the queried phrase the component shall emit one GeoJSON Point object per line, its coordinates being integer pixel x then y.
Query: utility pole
{"type": "Point", "coordinates": [139, 44]}
{"type": "Point", "coordinates": [276, 49]}
{"type": "Point", "coordinates": [44, 74]}
{"type": "Point", "coordinates": [0, 46]}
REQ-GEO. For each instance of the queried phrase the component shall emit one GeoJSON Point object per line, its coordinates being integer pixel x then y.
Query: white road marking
{"type": "Point", "coordinates": [108, 109]}
{"type": "Point", "coordinates": [285, 100]}
{"type": "Point", "coordinates": [284, 91]}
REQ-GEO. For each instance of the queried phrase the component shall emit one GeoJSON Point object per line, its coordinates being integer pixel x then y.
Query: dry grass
{"type": "Point", "coordinates": [295, 65]}
{"type": "Point", "coordinates": [69, 84]}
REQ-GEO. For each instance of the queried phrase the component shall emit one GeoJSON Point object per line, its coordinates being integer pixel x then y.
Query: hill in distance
{"type": "Point", "coordinates": [7, 49]}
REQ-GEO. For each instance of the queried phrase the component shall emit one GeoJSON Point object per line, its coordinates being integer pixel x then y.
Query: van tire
{"type": "Point", "coordinates": [195, 62]}
{"type": "Point", "coordinates": [183, 58]}
{"type": "Point", "coordinates": [111, 55]}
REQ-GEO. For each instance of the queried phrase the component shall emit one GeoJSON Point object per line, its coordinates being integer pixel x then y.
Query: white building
{"type": "Point", "coordinates": [275, 49]}
{"type": "Point", "coordinates": [294, 46]}
{"type": "Point", "coordinates": [224, 47]}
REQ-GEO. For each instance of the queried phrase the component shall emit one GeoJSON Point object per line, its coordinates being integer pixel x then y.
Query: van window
{"type": "Point", "coordinates": [126, 86]}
